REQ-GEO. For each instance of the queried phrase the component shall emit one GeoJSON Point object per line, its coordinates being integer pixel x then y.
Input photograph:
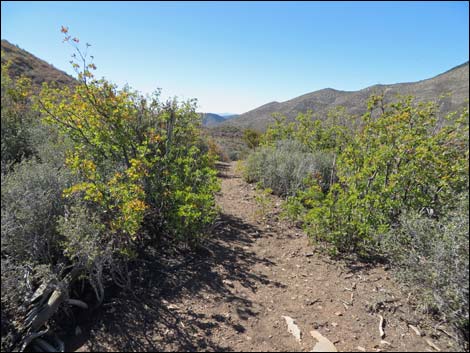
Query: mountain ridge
{"type": "Point", "coordinates": [29, 65]}
{"type": "Point", "coordinates": [454, 81]}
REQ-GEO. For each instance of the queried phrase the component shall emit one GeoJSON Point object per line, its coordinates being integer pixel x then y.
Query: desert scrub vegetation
{"type": "Point", "coordinates": [432, 254]}
{"type": "Point", "coordinates": [251, 138]}
{"type": "Point", "coordinates": [17, 117]}
{"type": "Point", "coordinates": [103, 174]}
{"type": "Point", "coordinates": [389, 188]}
{"type": "Point", "coordinates": [263, 202]}
{"type": "Point", "coordinates": [285, 165]}
{"type": "Point", "coordinates": [292, 156]}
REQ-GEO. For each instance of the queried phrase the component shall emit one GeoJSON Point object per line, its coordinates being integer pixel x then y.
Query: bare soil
{"type": "Point", "coordinates": [232, 293]}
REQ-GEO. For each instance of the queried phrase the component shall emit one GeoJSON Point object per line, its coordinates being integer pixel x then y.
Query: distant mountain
{"type": "Point", "coordinates": [211, 119]}
{"type": "Point", "coordinates": [227, 115]}
{"type": "Point", "coordinates": [454, 81]}
{"type": "Point", "coordinates": [39, 71]}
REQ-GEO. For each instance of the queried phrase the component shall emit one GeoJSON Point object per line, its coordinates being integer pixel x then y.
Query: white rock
{"type": "Point", "coordinates": [324, 344]}
{"type": "Point", "coordinates": [293, 328]}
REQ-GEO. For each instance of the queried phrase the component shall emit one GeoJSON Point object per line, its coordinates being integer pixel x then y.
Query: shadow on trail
{"type": "Point", "coordinates": [223, 170]}
{"type": "Point", "coordinates": [153, 318]}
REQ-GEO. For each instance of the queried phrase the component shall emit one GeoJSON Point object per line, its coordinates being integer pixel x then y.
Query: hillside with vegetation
{"type": "Point", "coordinates": [450, 89]}
{"type": "Point", "coordinates": [25, 64]}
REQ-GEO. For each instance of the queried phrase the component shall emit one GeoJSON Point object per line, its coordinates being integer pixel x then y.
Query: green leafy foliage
{"type": "Point", "coordinates": [105, 174]}
{"type": "Point", "coordinates": [330, 134]}
{"type": "Point", "coordinates": [251, 138]}
{"type": "Point", "coordinates": [17, 119]}
{"type": "Point", "coordinates": [263, 201]}
{"type": "Point", "coordinates": [136, 157]}
{"type": "Point", "coordinates": [396, 187]}
{"type": "Point", "coordinates": [405, 159]}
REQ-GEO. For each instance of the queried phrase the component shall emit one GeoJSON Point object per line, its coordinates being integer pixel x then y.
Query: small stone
{"type": "Point", "coordinates": [228, 282]}
{"type": "Point", "coordinates": [293, 328]}
{"type": "Point", "coordinates": [323, 345]}
{"type": "Point", "coordinates": [338, 313]}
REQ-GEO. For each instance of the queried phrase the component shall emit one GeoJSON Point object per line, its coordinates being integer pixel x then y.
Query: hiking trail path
{"type": "Point", "coordinates": [250, 274]}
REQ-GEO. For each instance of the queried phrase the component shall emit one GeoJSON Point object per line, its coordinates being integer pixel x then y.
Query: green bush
{"type": "Point", "coordinates": [432, 255]}
{"type": "Point", "coordinates": [17, 118]}
{"type": "Point", "coordinates": [251, 138]}
{"type": "Point", "coordinates": [139, 161]}
{"type": "Point", "coordinates": [113, 172]}
{"type": "Point", "coordinates": [285, 166]}
{"type": "Point", "coordinates": [392, 194]}
{"type": "Point", "coordinates": [405, 159]}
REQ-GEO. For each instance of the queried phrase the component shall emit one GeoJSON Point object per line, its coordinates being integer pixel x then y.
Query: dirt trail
{"type": "Point", "coordinates": [233, 294]}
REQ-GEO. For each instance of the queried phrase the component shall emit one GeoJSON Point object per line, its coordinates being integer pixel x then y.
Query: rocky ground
{"type": "Point", "coordinates": [240, 290]}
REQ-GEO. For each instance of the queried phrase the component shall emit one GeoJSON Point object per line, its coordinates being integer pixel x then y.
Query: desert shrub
{"type": "Point", "coordinates": [263, 201]}
{"type": "Point", "coordinates": [114, 171]}
{"type": "Point", "coordinates": [293, 209]}
{"type": "Point", "coordinates": [251, 138]}
{"type": "Point", "coordinates": [391, 193]}
{"type": "Point", "coordinates": [136, 158]}
{"type": "Point", "coordinates": [432, 256]}
{"type": "Point", "coordinates": [32, 200]}
{"type": "Point", "coordinates": [326, 134]}
{"type": "Point", "coordinates": [31, 203]}
{"type": "Point", "coordinates": [405, 159]}
{"type": "Point", "coordinates": [284, 166]}
{"type": "Point", "coordinates": [234, 155]}
{"type": "Point", "coordinates": [16, 119]}
{"type": "Point", "coordinates": [210, 145]}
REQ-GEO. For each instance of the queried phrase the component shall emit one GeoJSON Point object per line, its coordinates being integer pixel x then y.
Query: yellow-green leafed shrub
{"type": "Point", "coordinates": [137, 159]}
{"type": "Point", "coordinates": [16, 119]}
{"type": "Point", "coordinates": [405, 159]}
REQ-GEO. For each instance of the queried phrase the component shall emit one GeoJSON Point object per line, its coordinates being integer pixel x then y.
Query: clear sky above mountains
{"type": "Point", "coordinates": [236, 56]}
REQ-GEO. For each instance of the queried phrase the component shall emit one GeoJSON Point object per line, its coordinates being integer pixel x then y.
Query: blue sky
{"type": "Point", "coordinates": [236, 56]}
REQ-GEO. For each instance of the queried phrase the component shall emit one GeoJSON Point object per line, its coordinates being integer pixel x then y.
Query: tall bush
{"type": "Point", "coordinates": [17, 118]}
{"type": "Point", "coordinates": [118, 172]}
{"type": "Point", "coordinates": [405, 159]}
